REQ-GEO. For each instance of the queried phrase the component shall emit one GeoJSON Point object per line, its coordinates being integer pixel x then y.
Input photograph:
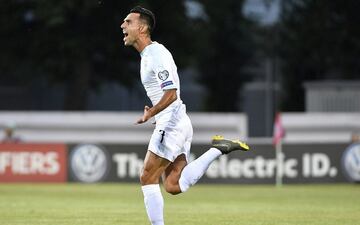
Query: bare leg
{"type": "Point", "coordinates": [172, 175]}
{"type": "Point", "coordinates": [154, 166]}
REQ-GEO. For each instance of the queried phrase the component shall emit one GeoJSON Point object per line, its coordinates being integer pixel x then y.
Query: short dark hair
{"type": "Point", "coordinates": [146, 15]}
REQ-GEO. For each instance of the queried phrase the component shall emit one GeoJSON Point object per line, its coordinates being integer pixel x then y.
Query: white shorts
{"type": "Point", "coordinates": [171, 141]}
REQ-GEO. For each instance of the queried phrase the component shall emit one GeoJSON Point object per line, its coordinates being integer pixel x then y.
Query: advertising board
{"type": "Point", "coordinates": [33, 163]}
{"type": "Point", "coordinates": [301, 163]}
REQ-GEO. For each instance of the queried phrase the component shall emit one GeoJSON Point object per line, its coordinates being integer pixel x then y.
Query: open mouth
{"type": "Point", "coordinates": [125, 34]}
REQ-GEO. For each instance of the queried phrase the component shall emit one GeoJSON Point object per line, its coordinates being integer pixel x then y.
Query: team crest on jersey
{"type": "Point", "coordinates": [163, 75]}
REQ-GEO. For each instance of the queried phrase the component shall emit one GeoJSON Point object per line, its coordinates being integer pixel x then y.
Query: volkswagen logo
{"type": "Point", "coordinates": [351, 162]}
{"type": "Point", "coordinates": [89, 163]}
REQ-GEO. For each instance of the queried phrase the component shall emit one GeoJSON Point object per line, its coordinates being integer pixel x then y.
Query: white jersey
{"type": "Point", "coordinates": [159, 73]}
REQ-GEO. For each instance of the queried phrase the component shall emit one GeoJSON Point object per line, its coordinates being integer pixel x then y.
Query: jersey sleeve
{"type": "Point", "coordinates": [164, 73]}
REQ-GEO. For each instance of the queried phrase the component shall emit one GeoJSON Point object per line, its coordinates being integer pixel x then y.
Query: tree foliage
{"type": "Point", "coordinates": [228, 49]}
{"type": "Point", "coordinates": [73, 42]}
{"type": "Point", "coordinates": [78, 43]}
{"type": "Point", "coordinates": [319, 40]}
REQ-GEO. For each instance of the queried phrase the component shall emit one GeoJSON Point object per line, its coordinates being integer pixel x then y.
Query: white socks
{"type": "Point", "coordinates": [154, 203]}
{"type": "Point", "coordinates": [196, 169]}
{"type": "Point", "coordinates": [191, 173]}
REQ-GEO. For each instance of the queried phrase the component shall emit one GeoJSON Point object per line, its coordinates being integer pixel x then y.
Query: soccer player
{"type": "Point", "coordinates": [169, 146]}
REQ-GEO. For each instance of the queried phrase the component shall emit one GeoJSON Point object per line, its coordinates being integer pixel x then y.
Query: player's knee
{"type": "Point", "coordinates": [171, 188]}
{"type": "Point", "coordinates": [144, 177]}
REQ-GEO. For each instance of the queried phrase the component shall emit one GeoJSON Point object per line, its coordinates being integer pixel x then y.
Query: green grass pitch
{"type": "Point", "coordinates": [122, 204]}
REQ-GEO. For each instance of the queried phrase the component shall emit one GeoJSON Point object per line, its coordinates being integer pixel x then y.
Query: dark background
{"type": "Point", "coordinates": [69, 55]}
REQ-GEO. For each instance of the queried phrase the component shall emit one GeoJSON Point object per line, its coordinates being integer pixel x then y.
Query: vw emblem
{"type": "Point", "coordinates": [89, 163]}
{"type": "Point", "coordinates": [351, 162]}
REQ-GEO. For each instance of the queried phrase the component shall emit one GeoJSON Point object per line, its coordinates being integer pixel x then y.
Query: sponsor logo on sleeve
{"type": "Point", "coordinates": [163, 75]}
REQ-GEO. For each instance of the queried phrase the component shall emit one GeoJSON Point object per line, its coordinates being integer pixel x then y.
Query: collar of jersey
{"type": "Point", "coordinates": [147, 47]}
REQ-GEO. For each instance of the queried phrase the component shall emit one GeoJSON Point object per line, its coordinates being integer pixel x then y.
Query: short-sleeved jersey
{"type": "Point", "coordinates": [159, 73]}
